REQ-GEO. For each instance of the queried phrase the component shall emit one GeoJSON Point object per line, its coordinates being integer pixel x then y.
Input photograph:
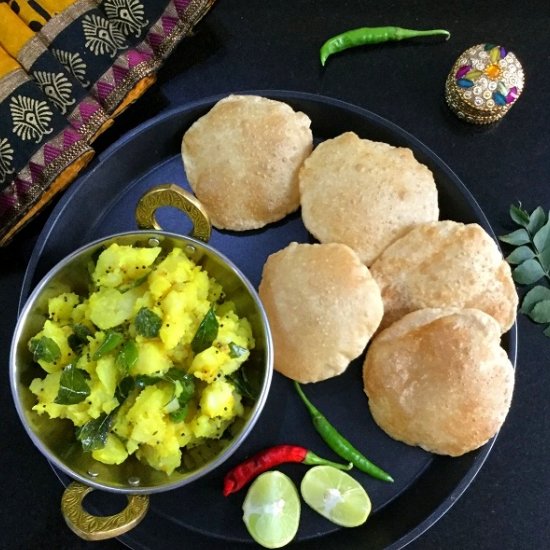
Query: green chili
{"type": "Point", "coordinates": [372, 35]}
{"type": "Point", "coordinates": [338, 443]}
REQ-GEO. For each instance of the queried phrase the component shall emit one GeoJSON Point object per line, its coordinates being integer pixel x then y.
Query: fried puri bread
{"type": "Point", "coordinates": [322, 305]}
{"type": "Point", "coordinates": [242, 160]}
{"type": "Point", "coordinates": [446, 264]}
{"type": "Point", "coordinates": [365, 194]}
{"type": "Point", "coordinates": [438, 379]}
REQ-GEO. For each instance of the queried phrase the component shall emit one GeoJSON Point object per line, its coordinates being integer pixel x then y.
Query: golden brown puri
{"type": "Point", "coordinates": [364, 193]}
{"type": "Point", "coordinates": [242, 160]}
{"type": "Point", "coordinates": [438, 379]}
{"type": "Point", "coordinates": [445, 264]}
{"type": "Point", "coordinates": [322, 305]}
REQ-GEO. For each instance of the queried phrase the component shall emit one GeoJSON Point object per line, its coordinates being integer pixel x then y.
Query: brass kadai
{"type": "Point", "coordinates": [135, 480]}
{"type": "Point", "coordinates": [484, 83]}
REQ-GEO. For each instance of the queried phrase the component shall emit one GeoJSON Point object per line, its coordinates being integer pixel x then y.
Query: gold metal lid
{"type": "Point", "coordinates": [484, 83]}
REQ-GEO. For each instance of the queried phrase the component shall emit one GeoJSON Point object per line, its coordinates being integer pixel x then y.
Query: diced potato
{"type": "Point", "coordinates": [176, 268]}
{"type": "Point", "coordinates": [107, 373]}
{"type": "Point", "coordinates": [152, 358]}
{"type": "Point", "coordinates": [218, 399]}
{"type": "Point", "coordinates": [109, 307]}
{"type": "Point", "coordinates": [147, 416]}
{"type": "Point", "coordinates": [205, 427]}
{"type": "Point", "coordinates": [60, 308]}
{"type": "Point", "coordinates": [177, 321]}
{"type": "Point", "coordinates": [114, 451]}
{"type": "Point", "coordinates": [165, 457]}
{"type": "Point", "coordinates": [122, 264]}
{"type": "Point", "coordinates": [207, 364]}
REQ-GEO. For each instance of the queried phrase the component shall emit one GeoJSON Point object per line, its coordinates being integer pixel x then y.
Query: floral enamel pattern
{"type": "Point", "coordinates": [102, 37]}
{"type": "Point", "coordinates": [6, 159]}
{"type": "Point", "coordinates": [57, 87]}
{"type": "Point", "coordinates": [73, 63]}
{"type": "Point", "coordinates": [128, 16]}
{"type": "Point", "coordinates": [31, 118]}
{"type": "Point", "coordinates": [489, 76]}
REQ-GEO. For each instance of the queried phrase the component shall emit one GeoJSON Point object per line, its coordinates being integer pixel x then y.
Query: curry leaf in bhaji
{"type": "Point", "coordinates": [73, 387]}
{"type": "Point", "coordinates": [124, 388]}
{"type": "Point", "coordinates": [187, 383]}
{"type": "Point", "coordinates": [236, 351]}
{"type": "Point", "coordinates": [206, 333]}
{"type": "Point", "coordinates": [241, 383]}
{"type": "Point", "coordinates": [531, 259]}
{"type": "Point", "coordinates": [148, 323]}
{"type": "Point", "coordinates": [45, 349]}
{"type": "Point", "coordinates": [179, 415]}
{"type": "Point", "coordinates": [127, 356]}
{"type": "Point", "coordinates": [111, 341]}
{"type": "Point", "coordinates": [143, 380]}
{"type": "Point", "coordinates": [93, 434]}
{"type": "Point", "coordinates": [79, 338]}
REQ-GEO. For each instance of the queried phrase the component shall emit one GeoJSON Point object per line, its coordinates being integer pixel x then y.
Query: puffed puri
{"type": "Point", "coordinates": [323, 306]}
{"type": "Point", "coordinates": [439, 379]}
{"type": "Point", "coordinates": [365, 194]}
{"type": "Point", "coordinates": [242, 160]}
{"type": "Point", "coordinates": [446, 264]}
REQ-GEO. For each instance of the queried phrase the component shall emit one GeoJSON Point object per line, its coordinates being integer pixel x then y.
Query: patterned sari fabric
{"type": "Point", "coordinates": [67, 69]}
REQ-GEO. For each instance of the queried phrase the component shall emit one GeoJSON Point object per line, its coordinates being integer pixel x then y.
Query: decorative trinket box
{"type": "Point", "coordinates": [484, 83]}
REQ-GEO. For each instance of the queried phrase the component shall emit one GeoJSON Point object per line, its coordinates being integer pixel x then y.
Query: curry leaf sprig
{"type": "Point", "coordinates": [531, 261]}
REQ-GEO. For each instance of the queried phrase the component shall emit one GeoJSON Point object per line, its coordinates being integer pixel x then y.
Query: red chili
{"type": "Point", "coordinates": [241, 474]}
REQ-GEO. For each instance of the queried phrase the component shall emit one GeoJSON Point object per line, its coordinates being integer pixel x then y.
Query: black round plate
{"type": "Point", "coordinates": [426, 486]}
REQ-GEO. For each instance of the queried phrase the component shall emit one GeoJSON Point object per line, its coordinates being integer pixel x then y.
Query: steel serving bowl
{"type": "Point", "coordinates": [55, 437]}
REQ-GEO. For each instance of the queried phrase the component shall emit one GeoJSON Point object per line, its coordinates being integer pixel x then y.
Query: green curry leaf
{"type": "Point", "coordinates": [528, 272]}
{"type": "Point", "coordinates": [236, 351]}
{"type": "Point", "coordinates": [519, 255]}
{"type": "Point", "coordinates": [127, 356]}
{"type": "Point", "coordinates": [516, 238]}
{"type": "Point", "coordinates": [519, 215]}
{"type": "Point", "coordinates": [242, 384]}
{"type": "Point", "coordinates": [79, 338]}
{"type": "Point", "coordinates": [111, 341]}
{"type": "Point", "coordinates": [206, 333]}
{"type": "Point", "coordinates": [93, 434]}
{"type": "Point", "coordinates": [73, 387]}
{"type": "Point", "coordinates": [148, 323]}
{"type": "Point", "coordinates": [536, 220]}
{"type": "Point", "coordinates": [532, 260]}
{"type": "Point", "coordinates": [45, 349]}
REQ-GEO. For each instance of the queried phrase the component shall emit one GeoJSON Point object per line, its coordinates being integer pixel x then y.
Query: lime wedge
{"type": "Point", "coordinates": [272, 509]}
{"type": "Point", "coordinates": [336, 495]}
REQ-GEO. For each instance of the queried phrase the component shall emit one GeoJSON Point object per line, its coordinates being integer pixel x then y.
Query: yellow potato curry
{"type": "Point", "coordinates": [146, 364]}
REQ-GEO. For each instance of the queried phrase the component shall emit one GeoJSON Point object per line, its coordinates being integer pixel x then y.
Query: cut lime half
{"type": "Point", "coordinates": [272, 509]}
{"type": "Point", "coordinates": [336, 495]}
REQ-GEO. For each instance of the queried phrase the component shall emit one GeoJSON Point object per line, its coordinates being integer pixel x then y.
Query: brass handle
{"type": "Point", "coordinates": [172, 195]}
{"type": "Point", "coordinates": [90, 527]}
